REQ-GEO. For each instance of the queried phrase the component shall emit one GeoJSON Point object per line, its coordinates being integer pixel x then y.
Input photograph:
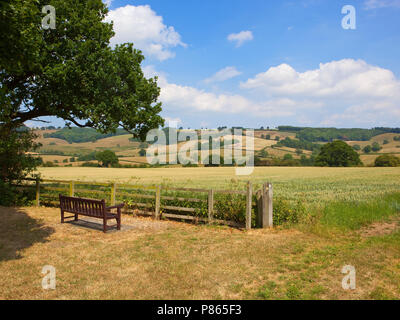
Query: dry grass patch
{"type": "Point", "coordinates": [171, 260]}
{"type": "Point", "coordinates": [381, 228]}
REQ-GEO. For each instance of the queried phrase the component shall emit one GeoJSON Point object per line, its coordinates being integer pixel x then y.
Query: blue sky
{"type": "Point", "coordinates": [267, 63]}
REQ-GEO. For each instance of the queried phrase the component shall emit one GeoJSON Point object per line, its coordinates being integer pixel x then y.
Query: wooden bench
{"type": "Point", "coordinates": [90, 208]}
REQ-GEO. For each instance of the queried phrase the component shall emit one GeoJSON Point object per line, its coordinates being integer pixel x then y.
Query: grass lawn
{"type": "Point", "coordinates": [171, 260]}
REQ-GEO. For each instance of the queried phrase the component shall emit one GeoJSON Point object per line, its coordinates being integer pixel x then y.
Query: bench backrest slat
{"type": "Point", "coordinates": [89, 207]}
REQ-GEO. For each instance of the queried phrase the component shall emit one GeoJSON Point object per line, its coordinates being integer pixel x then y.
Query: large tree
{"type": "Point", "coordinates": [107, 158]}
{"type": "Point", "coordinates": [72, 72]}
{"type": "Point", "coordinates": [337, 154]}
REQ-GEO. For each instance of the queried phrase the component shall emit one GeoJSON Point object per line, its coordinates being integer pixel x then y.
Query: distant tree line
{"type": "Point", "coordinates": [298, 144]}
{"type": "Point", "coordinates": [79, 135]}
{"type": "Point", "coordinates": [331, 134]}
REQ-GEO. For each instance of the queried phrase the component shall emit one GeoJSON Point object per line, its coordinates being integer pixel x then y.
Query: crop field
{"type": "Point", "coordinates": [313, 185]}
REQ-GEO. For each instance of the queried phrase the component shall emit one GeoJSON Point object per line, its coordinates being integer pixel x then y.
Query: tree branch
{"type": "Point", "coordinates": [21, 117]}
{"type": "Point", "coordinates": [86, 125]}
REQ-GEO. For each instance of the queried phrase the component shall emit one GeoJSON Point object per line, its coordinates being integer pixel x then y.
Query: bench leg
{"type": "Point", "coordinates": [105, 225]}
{"type": "Point", "coordinates": [119, 219]}
{"type": "Point", "coordinates": [76, 217]}
{"type": "Point", "coordinates": [62, 216]}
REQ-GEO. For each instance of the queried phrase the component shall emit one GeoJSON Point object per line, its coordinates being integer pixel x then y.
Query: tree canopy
{"type": "Point", "coordinates": [387, 160]}
{"type": "Point", "coordinates": [72, 72]}
{"type": "Point", "coordinates": [331, 134]}
{"type": "Point", "coordinates": [78, 135]}
{"type": "Point", "coordinates": [337, 154]}
{"type": "Point", "coordinates": [107, 158]}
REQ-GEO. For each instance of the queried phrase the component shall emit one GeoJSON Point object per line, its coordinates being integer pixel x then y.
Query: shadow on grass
{"type": "Point", "coordinates": [19, 231]}
{"type": "Point", "coordinates": [97, 225]}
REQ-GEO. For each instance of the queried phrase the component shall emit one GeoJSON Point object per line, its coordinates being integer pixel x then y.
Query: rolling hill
{"type": "Point", "coordinates": [266, 146]}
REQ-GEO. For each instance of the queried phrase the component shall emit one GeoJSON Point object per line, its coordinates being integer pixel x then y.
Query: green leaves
{"type": "Point", "coordinates": [338, 154]}
{"type": "Point", "coordinates": [107, 158]}
{"type": "Point", "coordinates": [72, 72]}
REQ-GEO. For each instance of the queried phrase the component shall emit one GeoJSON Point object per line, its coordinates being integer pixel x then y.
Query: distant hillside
{"type": "Point", "coordinates": [79, 135]}
{"type": "Point", "coordinates": [76, 146]}
{"type": "Point", "coordinates": [330, 134]}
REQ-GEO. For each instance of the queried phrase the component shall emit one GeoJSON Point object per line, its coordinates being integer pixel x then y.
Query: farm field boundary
{"type": "Point", "coordinates": [235, 208]}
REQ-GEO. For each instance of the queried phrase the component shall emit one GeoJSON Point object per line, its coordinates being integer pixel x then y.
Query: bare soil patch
{"type": "Point", "coordinates": [379, 229]}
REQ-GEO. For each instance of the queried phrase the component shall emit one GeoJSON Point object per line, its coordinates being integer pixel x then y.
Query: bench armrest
{"type": "Point", "coordinates": [119, 206]}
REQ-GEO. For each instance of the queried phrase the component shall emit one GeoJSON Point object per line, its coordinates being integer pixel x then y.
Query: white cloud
{"type": "Point", "coordinates": [241, 37]}
{"type": "Point", "coordinates": [353, 87]}
{"type": "Point", "coordinates": [376, 4]}
{"type": "Point", "coordinates": [345, 78]}
{"type": "Point", "coordinates": [340, 93]}
{"type": "Point", "coordinates": [223, 75]}
{"type": "Point", "coordinates": [142, 26]}
{"type": "Point", "coordinates": [186, 99]}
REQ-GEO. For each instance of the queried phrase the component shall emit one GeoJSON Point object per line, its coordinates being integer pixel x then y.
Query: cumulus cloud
{"type": "Point", "coordinates": [345, 78]}
{"type": "Point", "coordinates": [223, 75]}
{"type": "Point", "coordinates": [241, 37]}
{"type": "Point", "coordinates": [339, 93]}
{"type": "Point", "coordinates": [353, 87]}
{"type": "Point", "coordinates": [142, 26]}
{"type": "Point", "coordinates": [376, 4]}
{"type": "Point", "coordinates": [187, 99]}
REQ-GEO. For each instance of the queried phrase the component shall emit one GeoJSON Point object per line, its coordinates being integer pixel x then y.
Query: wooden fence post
{"type": "Point", "coordinates": [270, 206]}
{"type": "Point", "coordinates": [259, 209]}
{"type": "Point", "coordinates": [264, 217]}
{"type": "Point", "coordinates": [72, 189]}
{"type": "Point", "coordinates": [37, 192]}
{"type": "Point", "coordinates": [265, 207]}
{"type": "Point", "coordinates": [113, 193]}
{"type": "Point", "coordinates": [249, 204]}
{"type": "Point", "coordinates": [158, 202]}
{"type": "Point", "coordinates": [210, 206]}
{"type": "Point", "coordinates": [262, 207]}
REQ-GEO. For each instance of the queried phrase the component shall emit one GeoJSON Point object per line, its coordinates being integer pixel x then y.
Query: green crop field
{"type": "Point", "coordinates": [310, 184]}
